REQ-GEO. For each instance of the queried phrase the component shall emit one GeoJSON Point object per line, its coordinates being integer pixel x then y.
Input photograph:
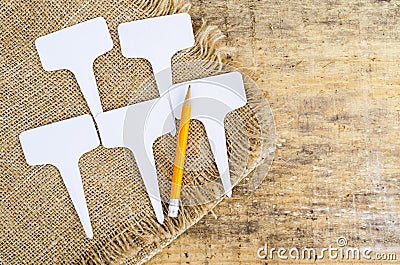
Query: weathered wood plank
{"type": "Point", "coordinates": [330, 70]}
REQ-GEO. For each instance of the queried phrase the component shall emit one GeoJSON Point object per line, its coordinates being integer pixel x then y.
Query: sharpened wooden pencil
{"type": "Point", "coordinates": [180, 157]}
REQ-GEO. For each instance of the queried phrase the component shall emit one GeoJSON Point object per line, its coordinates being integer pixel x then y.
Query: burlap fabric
{"type": "Point", "coordinates": [38, 222]}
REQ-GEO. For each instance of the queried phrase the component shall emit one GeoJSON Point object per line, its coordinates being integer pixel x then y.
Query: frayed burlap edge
{"type": "Point", "coordinates": [136, 240]}
{"type": "Point", "coordinates": [122, 249]}
{"type": "Point", "coordinates": [208, 48]}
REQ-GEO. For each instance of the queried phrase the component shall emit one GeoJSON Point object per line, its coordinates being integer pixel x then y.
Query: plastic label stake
{"type": "Point", "coordinates": [61, 144]}
{"type": "Point", "coordinates": [136, 127]}
{"type": "Point", "coordinates": [75, 48]}
{"type": "Point", "coordinates": [212, 98]}
{"type": "Point", "coordinates": [157, 40]}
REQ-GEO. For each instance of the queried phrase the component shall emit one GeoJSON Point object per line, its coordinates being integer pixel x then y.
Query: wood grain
{"type": "Point", "coordinates": [330, 70]}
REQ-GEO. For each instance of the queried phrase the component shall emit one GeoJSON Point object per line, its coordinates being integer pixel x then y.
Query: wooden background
{"type": "Point", "coordinates": [330, 70]}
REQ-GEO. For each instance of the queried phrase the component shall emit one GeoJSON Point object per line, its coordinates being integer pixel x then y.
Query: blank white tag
{"type": "Point", "coordinates": [61, 144]}
{"type": "Point", "coordinates": [136, 127]}
{"type": "Point", "coordinates": [212, 98]}
{"type": "Point", "coordinates": [75, 48]}
{"type": "Point", "coordinates": [157, 40]}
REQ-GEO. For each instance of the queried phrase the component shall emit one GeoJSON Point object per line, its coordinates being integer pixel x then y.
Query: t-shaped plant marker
{"type": "Point", "coordinates": [136, 127]}
{"type": "Point", "coordinates": [75, 48]}
{"type": "Point", "coordinates": [157, 40]}
{"type": "Point", "coordinates": [62, 144]}
{"type": "Point", "coordinates": [212, 98]}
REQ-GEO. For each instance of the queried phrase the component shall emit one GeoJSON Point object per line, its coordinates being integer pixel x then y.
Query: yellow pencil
{"type": "Point", "coordinates": [180, 157]}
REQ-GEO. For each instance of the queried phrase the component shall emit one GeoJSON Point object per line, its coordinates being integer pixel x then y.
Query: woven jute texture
{"type": "Point", "coordinates": [38, 222]}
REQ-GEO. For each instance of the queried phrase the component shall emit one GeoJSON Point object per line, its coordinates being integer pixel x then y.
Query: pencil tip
{"type": "Point", "coordinates": [188, 94]}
